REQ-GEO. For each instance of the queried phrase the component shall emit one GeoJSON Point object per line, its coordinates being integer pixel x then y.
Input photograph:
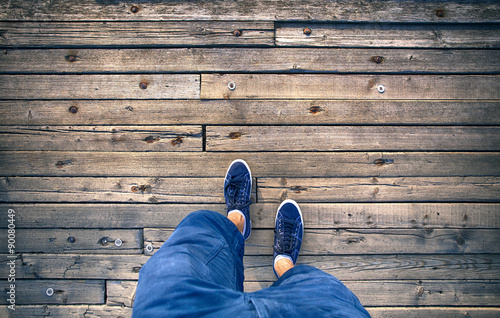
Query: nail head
{"type": "Point", "coordinates": [231, 86]}
{"type": "Point", "coordinates": [143, 85]}
{"type": "Point", "coordinates": [381, 88]}
{"type": "Point", "coordinates": [71, 239]}
{"type": "Point", "coordinates": [237, 32]}
{"type": "Point", "coordinates": [149, 248]}
{"type": "Point", "coordinates": [307, 31]}
{"type": "Point", "coordinates": [49, 292]}
{"type": "Point", "coordinates": [118, 242]}
{"type": "Point", "coordinates": [73, 109]}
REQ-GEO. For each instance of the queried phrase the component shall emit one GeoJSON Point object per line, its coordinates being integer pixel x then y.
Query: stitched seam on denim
{"type": "Point", "coordinates": [215, 254]}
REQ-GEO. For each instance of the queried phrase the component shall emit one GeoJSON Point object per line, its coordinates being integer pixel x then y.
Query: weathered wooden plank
{"type": "Point", "coordinates": [66, 292]}
{"type": "Point", "coordinates": [352, 138]}
{"type": "Point", "coordinates": [389, 35]}
{"type": "Point", "coordinates": [76, 241]}
{"type": "Point", "coordinates": [322, 215]}
{"type": "Point", "coordinates": [365, 241]}
{"type": "Point", "coordinates": [120, 293]}
{"type": "Point", "coordinates": [298, 164]}
{"type": "Point", "coordinates": [409, 292]}
{"type": "Point", "coordinates": [131, 86]}
{"type": "Point", "coordinates": [221, 59]}
{"type": "Point", "coordinates": [242, 112]}
{"type": "Point", "coordinates": [399, 189]}
{"type": "Point", "coordinates": [64, 311]}
{"type": "Point", "coordinates": [134, 33]}
{"type": "Point", "coordinates": [324, 86]}
{"type": "Point", "coordinates": [433, 312]}
{"type": "Point", "coordinates": [270, 10]}
{"type": "Point", "coordinates": [259, 268]}
{"type": "Point", "coordinates": [102, 138]}
{"type": "Point", "coordinates": [146, 190]}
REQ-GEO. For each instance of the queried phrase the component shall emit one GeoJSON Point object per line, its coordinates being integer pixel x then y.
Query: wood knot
{"type": "Point", "coordinates": [151, 139]}
{"type": "Point", "coordinates": [315, 109]}
{"type": "Point", "coordinates": [298, 189]}
{"type": "Point", "coordinates": [142, 188]}
{"type": "Point", "coordinates": [383, 162]}
{"type": "Point", "coordinates": [177, 141]}
{"type": "Point", "coordinates": [234, 135]}
{"type": "Point", "coordinates": [70, 58]}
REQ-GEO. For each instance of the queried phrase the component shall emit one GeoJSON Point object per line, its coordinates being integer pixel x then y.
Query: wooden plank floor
{"type": "Point", "coordinates": [381, 118]}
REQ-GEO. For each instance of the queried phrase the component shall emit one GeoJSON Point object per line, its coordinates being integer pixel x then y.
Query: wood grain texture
{"type": "Point", "coordinates": [165, 86]}
{"type": "Point", "coordinates": [243, 59]}
{"type": "Point", "coordinates": [120, 293]}
{"type": "Point", "coordinates": [84, 241]}
{"type": "Point", "coordinates": [64, 311]}
{"type": "Point", "coordinates": [352, 138]}
{"type": "Point", "coordinates": [389, 35]}
{"type": "Point", "coordinates": [102, 138]}
{"type": "Point", "coordinates": [300, 86]}
{"type": "Point", "coordinates": [66, 292]}
{"type": "Point", "coordinates": [146, 190]}
{"type": "Point", "coordinates": [441, 312]}
{"type": "Point", "coordinates": [380, 189]}
{"type": "Point", "coordinates": [133, 33]}
{"type": "Point", "coordinates": [324, 215]}
{"type": "Point", "coordinates": [298, 164]}
{"type": "Point", "coordinates": [244, 112]}
{"type": "Point", "coordinates": [365, 241]}
{"type": "Point", "coordinates": [269, 10]}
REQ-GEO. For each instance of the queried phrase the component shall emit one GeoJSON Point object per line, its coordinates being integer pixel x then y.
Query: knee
{"type": "Point", "coordinates": [203, 214]}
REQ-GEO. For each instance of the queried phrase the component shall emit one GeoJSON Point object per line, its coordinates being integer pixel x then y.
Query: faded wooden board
{"type": "Point", "coordinates": [259, 268]}
{"type": "Point", "coordinates": [203, 164]}
{"type": "Point", "coordinates": [242, 112]}
{"type": "Point", "coordinates": [120, 293]}
{"type": "Point", "coordinates": [399, 189]}
{"type": "Point", "coordinates": [323, 215]}
{"type": "Point", "coordinates": [301, 86]}
{"type": "Point", "coordinates": [78, 189]}
{"type": "Point", "coordinates": [102, 138]}
{"type": "Point", "coordinates": [352, 138]}
{"type": "Point", "coordinates": [409, 292]}
{"type": "Point", "coordinates": [366, 241]}
{"type": "Point", "coordinates": [389, 35]}
{"type": "Point", "coordinates": [65, 311]}
{"type": "Point", "coordinates": [220, 59]}
{"type": "Point", "coordinates": [438, 312]}
{"type": "Point", "coordinates": [134, 33]}
{"type": "Point", "coordinates": [270, 10]}
{"type": "Point", "coordinates": [66, 292]}
{"type": "Point", "coordinates": [84, 241]}
{"type": "Point", "coordinates": [164, 86]}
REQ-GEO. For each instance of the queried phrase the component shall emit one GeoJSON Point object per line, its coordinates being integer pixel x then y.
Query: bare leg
{"type": "Point", "coordinates": [238, 220]}
{"type": "Point", "coordinates": [282, 266]}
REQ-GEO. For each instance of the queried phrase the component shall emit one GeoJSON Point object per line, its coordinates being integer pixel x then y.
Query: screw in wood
{"type": "Point", "coordinates": [307, 31]}
{"type": "Point", "coordinates": [73, 109]}
{"type": "Point", "coordinates": [118, 242]}
{"type": "Point", "coordinates": [381, 88]}
{"type": "Point", "coordinates": [71, 58]}
{"type": "Point", "coordinates": [237, 32]}
{"type": "Point", "coordinates": [378, 59]}
{"type": "Point", "coordinates": [134, 9]}
{"type": "Point", "coordinates": [49, 292]}
{"type": "Point", "coordinates": [440, 13]}
{"type": "Point", "coordinates": [143, 85]}
{"type": "Point", "coordinates": [71, 239]}
{"type": "Point", "coordinates": [231, 86]}
{"type": "Point", "coordinates": [149, 248]}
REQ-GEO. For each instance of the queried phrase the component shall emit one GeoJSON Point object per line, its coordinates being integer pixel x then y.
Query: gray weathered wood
{"type": "Point", "coordinates": [102, 138]}
{"type": "Point", "coordinates": [65, 311]}
{"type": "Point", "coordinates": [323, 215]}
{"type": "Point", "coordinates": [120, 293]}
{"type": "Point", "coordinates": [242, 112]}
{"type": "Point", "coordinates": [221, 59]}
{"type": "Point", "coordinates": [389, 35]}
{"type": "Point", "coordinates": [366, 241]}
{"type": "Point", "coordinates": [164, 86]}
{"type": "Point", "coordinates": [133, 33]}
{"type": "Point", "coordinates": [270, 10]}
{"type": "Point", "coordinates": [84, 241]}
{"type": "Point", "coordinates": [399, 189]}
{"type": "Point", "coordinates": [259, 268]}
{"type": "Point", "coordinates": [298, 164]}
{"type": "Point", "coordinates": [66, 292]}
{"type": "Point", "coordinates": [78, 189]}
{"type": "Point", "coordinates": [433, 312]}
{"type": "Point", "coordinates": [300, 86]}
{"type": "Point", "coordinates": [352, 138]}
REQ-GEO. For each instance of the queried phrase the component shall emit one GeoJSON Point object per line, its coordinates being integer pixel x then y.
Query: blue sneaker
{"type": "Point", "coordinates": [237, 191]}
{"type": "Point", "coordinates": [288, 232]}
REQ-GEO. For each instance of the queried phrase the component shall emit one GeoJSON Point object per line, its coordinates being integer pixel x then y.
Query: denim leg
{"type": "Point", "coordinates": [305, 291]}
{"type": "Point", "coordinates": [197, 272]}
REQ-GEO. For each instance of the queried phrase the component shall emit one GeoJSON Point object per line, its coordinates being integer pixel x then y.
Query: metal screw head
{"type": "Point", "coordinates": [307, 31]}
{"type": "Point", "coordinates": [378, 59]}
{"type": "Point", "coordinates": [71, 58]}
{"type": "Point", "coordinates": [149, 248]}
{"type": "Point", "coordinates": [380, 88]}
{"type": "Point", "coordinates": [143, 85]}
{"type": "Point", "coordinates": [231, 86]}
{"type": "Point", "coordinates": [237, 32]}
{"type": "Point", "coordinates": [71, 239]}
{"type": "Point", "coordinates": [73, 109]}
{"type": "Point", "coordinates": [134, 9]}
{"type": "Point", "coordinates": [118, 242]}
{"type": "Point", "coordinates": [440, 13]}
{"type": "Point", "coordinates": [49, 291]}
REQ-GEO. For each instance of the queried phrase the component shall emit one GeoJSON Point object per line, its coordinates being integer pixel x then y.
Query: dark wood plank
{"type": "Point", "coordinates": [146, 190]}
{"type": "Point", "coordinates": [323, 215]}
{"type": "Point", "coordinates": [134, 33]}
{"type": "Point", "coordinates": [389, 35]}
{"type": "Point", "coordinates": [365, 241]}
{"type": "Point", "coordinates": [66, 292]}
{"type": "Point", "coordinates": [298, 164]}
{"type": "Point", "coordinates": [399, 189]}
{"type": "Point", "coordinates": [259, 268]}
{"type": "Point", "coordinates": [76, 241]}
{"type": "Point", "coordinates": [131, 86]}
{"type": "Point", "coordinates": [221, 59]}
{"type": "Point", "coordinates": [102, 138]}
{"type": "Point", "coordinates": [270, 10]}
{"type": "Point", "coordinates": [352, 138]}
{"type": "Point", "coordinates": [242, 112]}
{"type": "Point", "coordinates": [300, 86]}
{"type": "Point", "coordinates": [64, 311]}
